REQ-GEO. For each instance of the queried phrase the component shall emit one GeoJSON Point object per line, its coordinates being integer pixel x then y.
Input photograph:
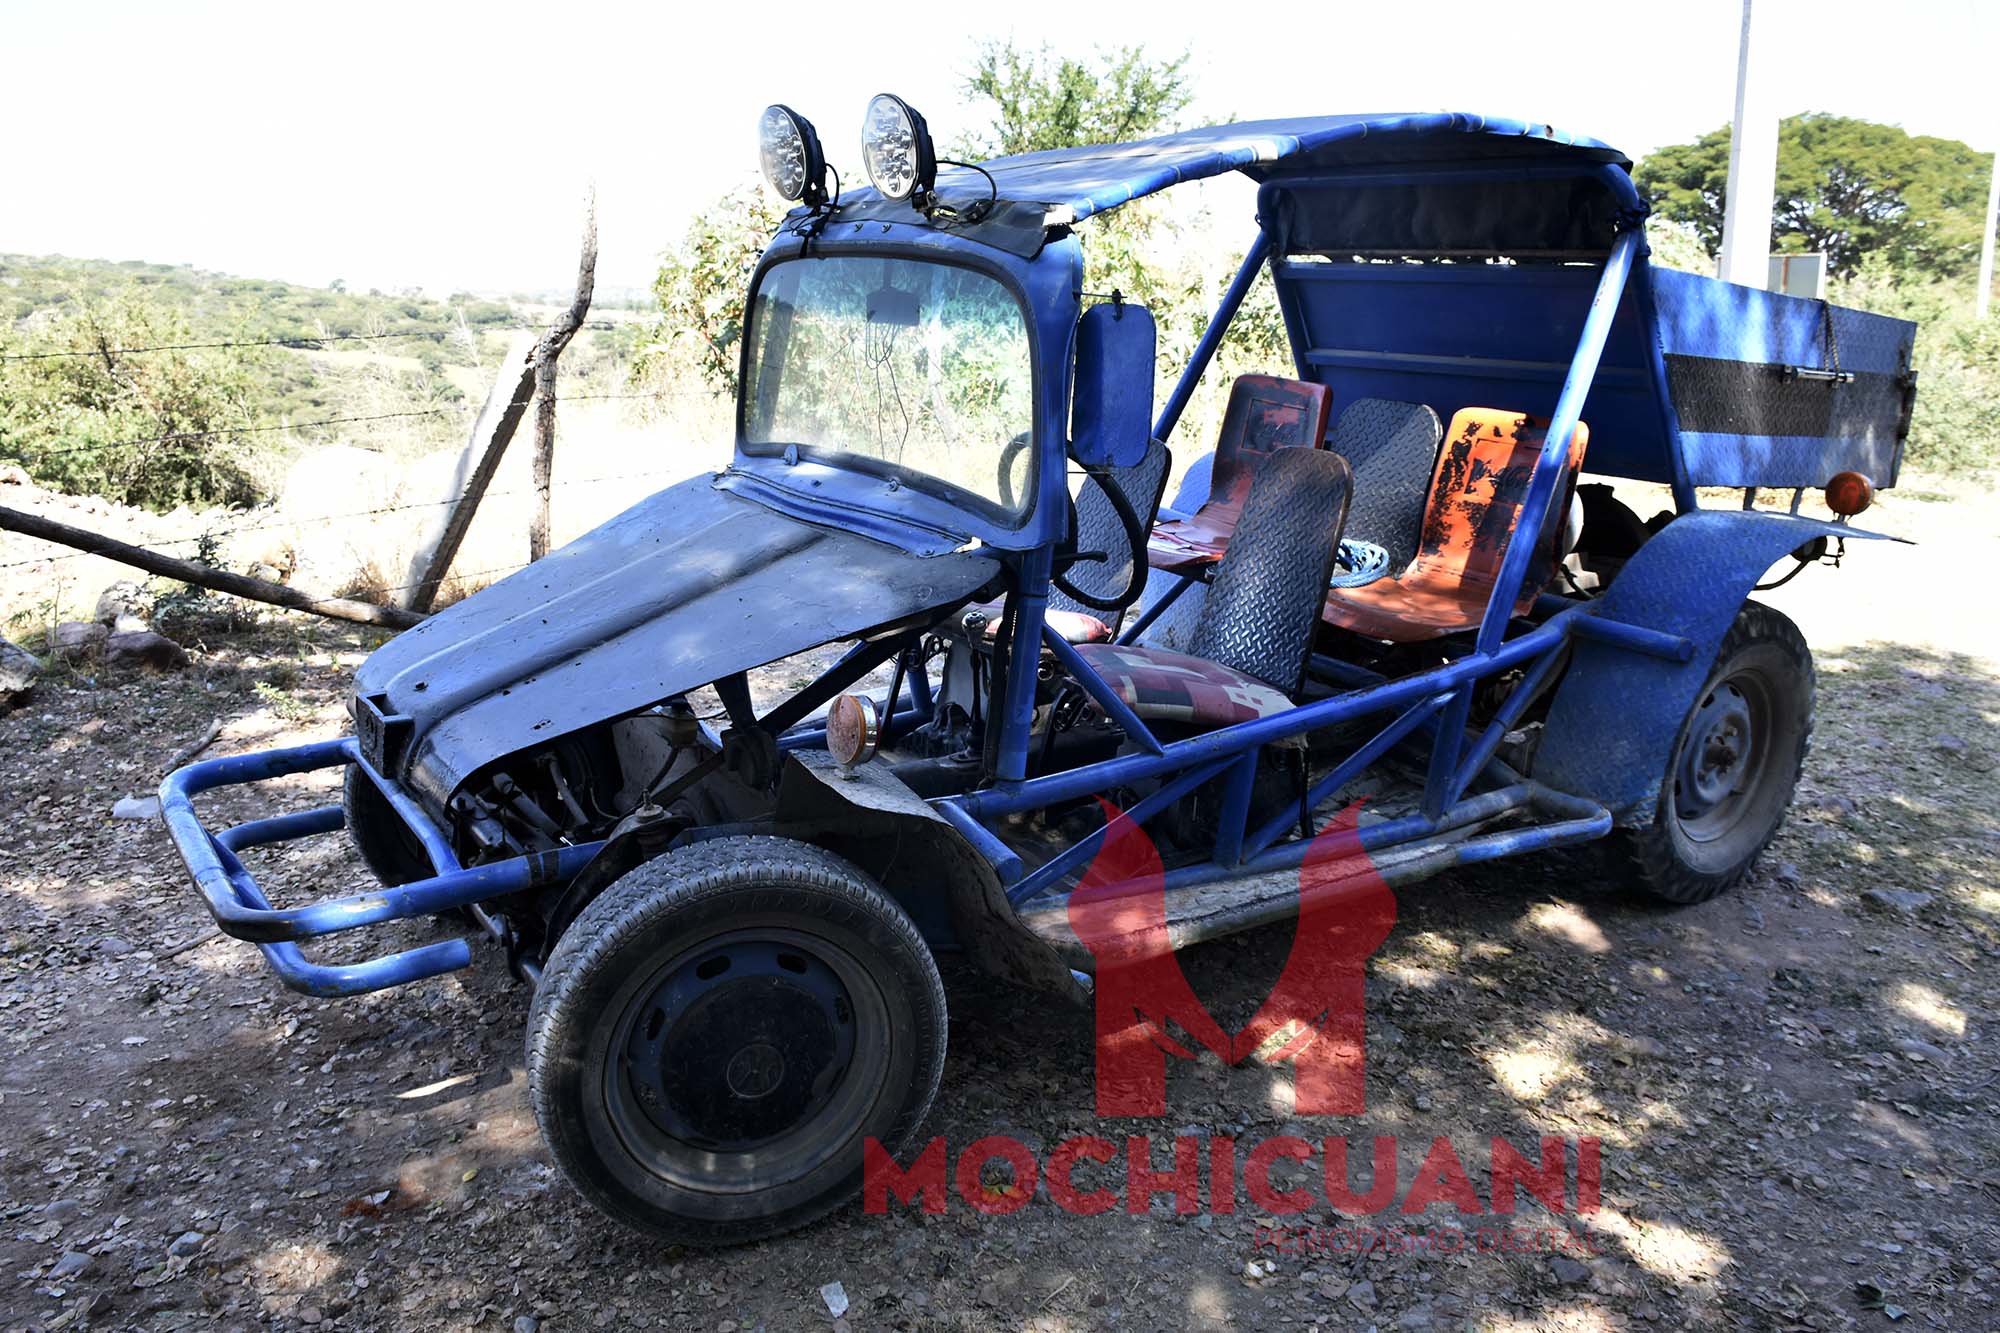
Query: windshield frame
{"type": "Point", "coordinates": [989, 511]}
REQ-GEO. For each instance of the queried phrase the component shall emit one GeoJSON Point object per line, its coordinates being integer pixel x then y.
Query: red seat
{"type": "Point", "coordinates": [1475, 502]}
{"type": "Point", "coordinates": [1265, 413]}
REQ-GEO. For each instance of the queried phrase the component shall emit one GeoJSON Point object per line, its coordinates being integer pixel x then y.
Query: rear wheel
{"type": "Point", "coordinates": [1735, 765]}
{"type": "Point", "coordinates": [722, 1030]}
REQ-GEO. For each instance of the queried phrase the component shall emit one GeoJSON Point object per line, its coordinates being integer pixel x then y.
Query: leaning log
{"type": "Point", "coordinates": [202, 576]}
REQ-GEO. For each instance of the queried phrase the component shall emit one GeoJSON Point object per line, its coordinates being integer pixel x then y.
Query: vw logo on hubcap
{"type": "Point", "coordinates": [755, 1071]}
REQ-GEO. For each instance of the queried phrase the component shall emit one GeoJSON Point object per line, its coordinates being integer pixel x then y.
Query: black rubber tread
{"type": "Point", "coordinates": [721, 884]}
{"type": "Point", "coordinates": [1654, 855]}
{"type": "Point", "coordinates": [387, 847]}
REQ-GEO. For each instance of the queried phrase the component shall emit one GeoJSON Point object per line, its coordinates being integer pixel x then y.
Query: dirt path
{"type": "Point", "coordinates": [1794, 1088]}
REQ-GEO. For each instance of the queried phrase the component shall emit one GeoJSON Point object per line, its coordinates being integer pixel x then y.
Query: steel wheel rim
{"type": "Point", "coordinates": [1720, 767]}
{"type": "Point", "coordinates": [698, 1051]}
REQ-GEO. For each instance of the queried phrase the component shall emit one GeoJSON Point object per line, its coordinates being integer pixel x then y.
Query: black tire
{"type": "Point", "coordinates": [387, 846]}
{"type": "Point", "coordinates": [1735, 764]}
{"type": "Point", "coordinates": [695, 980]}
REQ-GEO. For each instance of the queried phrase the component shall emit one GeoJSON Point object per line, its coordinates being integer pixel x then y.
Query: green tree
{"type": "Point", "coordinates": [1850, 188]}
{"type": "Point", "coordinates": [1041, 100]}
{"type": "Point", "coordinates": [1150, 251]}
{"type": "Point", "coordinates": [701, 288]}
{"type": "Point", "coordinates": [1164, 252]}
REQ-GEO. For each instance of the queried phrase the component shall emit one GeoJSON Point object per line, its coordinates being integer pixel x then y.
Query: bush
{"type": "Point", "coordinates": [1956, 427]}
{"type": "Point", "coordinates": [158, 430]}
{"type": "Point", "coordinates": [701, 287]}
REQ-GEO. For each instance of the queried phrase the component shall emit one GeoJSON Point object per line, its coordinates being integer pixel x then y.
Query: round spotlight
{"type": "Point", "coordinates": [896, 148]}
{"type": "Point", "coordinates": [791, 156]}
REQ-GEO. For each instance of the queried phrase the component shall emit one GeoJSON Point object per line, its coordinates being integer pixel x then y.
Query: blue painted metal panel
{"type": "Point", "coordinates": [631, 613]}
{"type": "Point", "coordinates": [1617, 713]}
{"type": "Point", "coordinates": [1482, 335]}
{"type": "Point", "coordinates": [1700, 317]}
{"type": "Point", "coordinates": [1112, 422]}
{"type": "Point", "coordinates": [1094, 178]}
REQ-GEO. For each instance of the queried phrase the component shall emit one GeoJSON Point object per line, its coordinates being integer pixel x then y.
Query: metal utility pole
{"type": "Point", "coordinates": [1985, 297]}
{"type": "Point", "coordinates": [1753, 169]}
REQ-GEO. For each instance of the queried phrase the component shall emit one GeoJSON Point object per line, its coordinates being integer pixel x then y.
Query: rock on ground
{"type": "Point", "coordinates": [77, 640]}
{"type": "Point", "coordinates": [125, 606]}
{"type": "Point", "coordinates": [19, 670]}
{"type": "Point", "coordinates": [143, 648]}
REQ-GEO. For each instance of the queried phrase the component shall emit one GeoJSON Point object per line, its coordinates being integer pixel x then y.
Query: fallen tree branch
{"type": "Point", "coordinates": [175, 951]}
{"type": "Point", "coordinates": [195, 746]}
{"type": "Point", "coordinates": [506, 403]}
{"type": "Point", "coordinates": [217, 580]}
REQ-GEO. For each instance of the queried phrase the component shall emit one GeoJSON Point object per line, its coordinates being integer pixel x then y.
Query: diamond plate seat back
{"type": "Point", "coordinates": [1392, 448]}
{"type": "Point", "coordinates": [1263, 604]}
{"type": "Point", "coordinates": [1247, 648]}
{"type": "Point", "coordinates": [1475, 503]}
{"type": "Point", "coordinates": [1099, 529]}
{"type": "Point", "coordinates": [1173, 629]}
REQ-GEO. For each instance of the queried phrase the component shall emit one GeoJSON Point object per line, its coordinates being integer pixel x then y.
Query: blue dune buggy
{"type": "Point", "coordinates": [1386, 579]}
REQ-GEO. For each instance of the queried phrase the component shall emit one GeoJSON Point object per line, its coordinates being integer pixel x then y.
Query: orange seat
{"type": "Point", "coordinates": [1265, 413]}
{"type": "Point", "coordinates": [1475, 502]}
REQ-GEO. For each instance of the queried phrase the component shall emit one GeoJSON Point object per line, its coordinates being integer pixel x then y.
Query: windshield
{"type": "Point", "coordinates": [898, 366]}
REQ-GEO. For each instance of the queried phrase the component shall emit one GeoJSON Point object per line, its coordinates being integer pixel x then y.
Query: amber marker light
{"type": "Point", "coordinates": [1848, 493]}
{"type": "Point", "coordinates": [852, 730]}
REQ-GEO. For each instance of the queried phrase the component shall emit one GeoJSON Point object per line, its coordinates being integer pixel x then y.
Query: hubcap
{"type": "Point", "coordinates": [739, 1044]}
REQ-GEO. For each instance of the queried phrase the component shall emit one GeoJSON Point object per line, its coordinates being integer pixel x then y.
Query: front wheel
{"type": "Point", "coordinates": [1735, 765]}
{"type": "Point", "coordinates": [719, 1033]}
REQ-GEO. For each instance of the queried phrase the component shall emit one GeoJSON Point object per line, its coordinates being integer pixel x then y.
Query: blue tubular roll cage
{"type": "Point", "coordinates": [1437, 702]}
{"type": "Point", "coordinates": [1434, 703]}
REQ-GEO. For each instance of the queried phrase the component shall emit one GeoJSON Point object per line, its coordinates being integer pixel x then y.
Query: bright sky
{"type": "Point", "coordinates": [420, 144]}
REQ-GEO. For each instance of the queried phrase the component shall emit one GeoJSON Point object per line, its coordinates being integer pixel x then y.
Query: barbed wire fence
{"type": "Point", "coordinates": [264, 520]}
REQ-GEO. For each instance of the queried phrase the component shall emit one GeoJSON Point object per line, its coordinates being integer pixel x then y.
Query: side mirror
{"type": "Point", "coordinates": [1111, 414]}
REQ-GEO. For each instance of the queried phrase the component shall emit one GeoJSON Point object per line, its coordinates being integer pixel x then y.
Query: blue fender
{"type": "Point", "coordinates": [1617, 713]}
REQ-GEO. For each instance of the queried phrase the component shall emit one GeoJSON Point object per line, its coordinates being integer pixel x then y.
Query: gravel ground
{"type": "Point", "coordinates": [1794, 1087]}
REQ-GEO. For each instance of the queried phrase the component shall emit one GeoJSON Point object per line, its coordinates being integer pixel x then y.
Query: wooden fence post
{"type": "Point", "coordinates": [513, 386]}
{"type": "Point", "coordinates": [546, 353]}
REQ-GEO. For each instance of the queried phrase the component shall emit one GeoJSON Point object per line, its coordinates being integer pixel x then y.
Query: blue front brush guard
{"type": "Point", "coordinates": [240, 907]}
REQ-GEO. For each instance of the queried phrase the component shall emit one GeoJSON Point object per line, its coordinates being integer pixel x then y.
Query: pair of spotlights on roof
{"type": "Point", "coordinates": [895, 147]}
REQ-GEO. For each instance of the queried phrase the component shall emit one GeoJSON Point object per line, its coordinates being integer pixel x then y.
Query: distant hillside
{"type": "Point", "coordinates": [83, 407]}
{"type": "Point", "coordinates": [219, 305]}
